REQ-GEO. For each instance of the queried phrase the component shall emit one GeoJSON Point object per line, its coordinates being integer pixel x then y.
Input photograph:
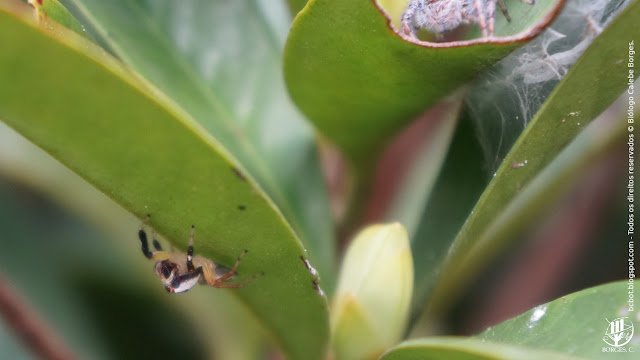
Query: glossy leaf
{"type": "Point", "coordinates": [465, 349]}
{"type": "Point", "coordinates": [567, 328]}
{"type": "Point", "coordinates": [574, 324]}
{"type": "Point", "coordinates": [501, 210]}
{"type": "Point", "coordinates": [504, 99]}
{"type": "Point", "coordinates": [128, 139]}
{"type": "Point", "coordinates": [437, 194]}
{"type": "Point", "coordinates": [52, 9]}
{"type": "Point", "coordinates": [359, 81]}
{"type": "Point", "coordinates": [461, 180]}
{"type": "Point", "coordinates": [221, 61]}
{"type": "Point", "coordinates": [235, 331]}
{"type": "Point", "coordinates": [417, 186]}
{"type": "Point", "coordinates": [296, 5]}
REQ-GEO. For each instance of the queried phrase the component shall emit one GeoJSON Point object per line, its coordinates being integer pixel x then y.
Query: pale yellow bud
{"type": "Point", "coordinates": [371, 306]}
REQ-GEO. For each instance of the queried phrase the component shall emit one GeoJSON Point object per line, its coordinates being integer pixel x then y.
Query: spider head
{"type": "Point", "coordinates": [168, 271]}
{"type": "Point", "coordinates": [172, 280]}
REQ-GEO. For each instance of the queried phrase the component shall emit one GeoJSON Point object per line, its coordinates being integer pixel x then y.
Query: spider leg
{"type": "Point", "coordinates": [529, 2]}
{"type": "Point", "coordinates": [153, 255]}
{"type": "Point", "coordinates": [230, 273]}
{"type": "Point", "coordinates": [407, 17]}
{"type": "Point", "coordinates": [222, 285]}
{"type": "Point", "coordinates": [406, 29]}
{"type": "Point", "coordinates": [143, 239]}
{"type": "Point", "coordinates": [190, 266]}
{"type": "Point", "coordinates": [482, 19]}
{"type": "Point", "coordinates": [504, 10]}
{"type": "Point", "coordinates": [219, 283]}
{"type": "Point", "coordinates": [491, 16]}
{"type": "Point", "coordinates": [156, 244]}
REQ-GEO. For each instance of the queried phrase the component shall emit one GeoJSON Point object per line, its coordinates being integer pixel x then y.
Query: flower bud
{"type": "Point", "coordinates": [371, 306]}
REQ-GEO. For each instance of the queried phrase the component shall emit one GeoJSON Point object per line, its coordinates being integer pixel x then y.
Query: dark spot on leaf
{"type": "Point", "coordinates": [241, 207]}
{"type": "Point", "coordinates": [239, 174]}
{"type": "Point", "coordinates": [40, 2]}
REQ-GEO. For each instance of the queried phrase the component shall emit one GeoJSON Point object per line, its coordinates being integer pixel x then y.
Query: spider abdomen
{"type": "Point", "coordinates": [441, 15]}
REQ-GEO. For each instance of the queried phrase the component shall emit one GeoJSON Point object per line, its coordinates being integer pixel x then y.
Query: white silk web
{"type": "Point", "coordinates": [505, 98]}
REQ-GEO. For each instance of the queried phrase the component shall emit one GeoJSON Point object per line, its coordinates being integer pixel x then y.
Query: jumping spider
{"type": "Point", "coordinates": [180, 272]}
{"type": "Point", "coordinates": [444, 15]}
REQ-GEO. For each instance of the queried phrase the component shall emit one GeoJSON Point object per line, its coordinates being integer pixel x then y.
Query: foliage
{"type": "Point", "coordinates": [182, 111]}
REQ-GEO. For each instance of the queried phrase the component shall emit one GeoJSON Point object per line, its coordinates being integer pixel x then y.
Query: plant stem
{"type": "Point", "coordinates": [30, 327]}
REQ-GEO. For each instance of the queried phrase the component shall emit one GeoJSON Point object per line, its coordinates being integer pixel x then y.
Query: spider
{"type": "Point", "coordinates": [444, 15]}
{"type": "Point", "coordinates": [181, 272]}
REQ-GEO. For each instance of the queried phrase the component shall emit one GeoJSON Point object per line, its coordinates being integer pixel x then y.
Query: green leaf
{"type": "Point", "coordinates": [222, 62]}
{"type": "Point", "coordinates": [511, 200]}
{"type": "Point", "coordinates": [417, 186]}
{"type": "Point", "coordinates": [52, 9]}
{"type": "Point", "coordinates": [460, 182]}
{"type": "Point", "coordinates": [128, 139]}
{"type": "Point", "coordinates": [465, 349]}
{"type": "Point", "coordinates": [236, 333]}
{"type": "Point", "coordinates": [573, 324]}
{"type": "Point", "coordinates": [504, 99]}
{"type": "Point", "coordinates": [359, 81]}
{"type": "Point", "coordinates": [83, 265]}
{"type": "Point", "coordinates": [296, 5]}
{"type": "Point", "coordinates": [437, 194]}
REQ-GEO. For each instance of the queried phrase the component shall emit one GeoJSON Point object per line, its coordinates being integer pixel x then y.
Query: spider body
{"type": "Point", "coordinates": [179, 272]}
{"type": "Point", "coordinates": [440, 16]}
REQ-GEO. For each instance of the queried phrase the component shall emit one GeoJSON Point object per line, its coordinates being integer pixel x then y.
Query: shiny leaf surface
{"type": "Point", "coordinates": [140, 148]}
{"type": "Point", "coordinates": [359, 81]}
